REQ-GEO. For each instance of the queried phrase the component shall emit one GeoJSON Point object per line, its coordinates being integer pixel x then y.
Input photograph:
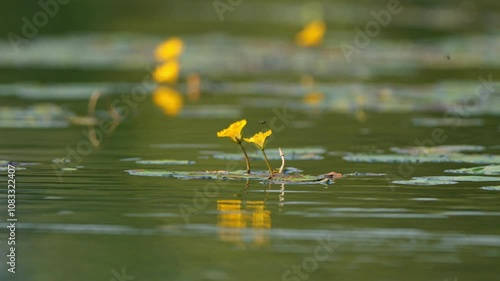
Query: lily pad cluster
{"type": "Point", "coordinates": [292, 176]}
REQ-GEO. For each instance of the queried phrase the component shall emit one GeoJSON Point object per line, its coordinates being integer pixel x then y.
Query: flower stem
{"type": "Point", "coordinates": [246, 158]}
{"type": "Point", "coordinates": [267, 162]}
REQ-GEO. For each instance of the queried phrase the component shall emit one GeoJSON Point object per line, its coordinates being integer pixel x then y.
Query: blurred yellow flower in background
{"type": "Point", "coordinates": [314, 98]}
{"type": "Point", "coordinates": [259, 139]}
{"type": "Point", "coordinates": [167, 72]}
{"type": "Point", "coordinates": [312, 34]}
{"type": "Point", "coordinates": [169, 49]}
{"type": "Point", "coordinates": [168, 99]}
{"type": "Point", "coordinates": [233, 131]}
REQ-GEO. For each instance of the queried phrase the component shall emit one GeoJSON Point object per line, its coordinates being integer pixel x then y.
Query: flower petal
{"type": "Point", "coordinates": [233, 131]}
{"type": "Point", "coordinates": [259, 139]}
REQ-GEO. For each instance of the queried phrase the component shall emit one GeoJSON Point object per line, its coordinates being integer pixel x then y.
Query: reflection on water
{"type": "Point", "coordinates": [236, 216]}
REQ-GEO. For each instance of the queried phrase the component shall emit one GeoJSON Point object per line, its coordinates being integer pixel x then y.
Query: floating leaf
{"type": "Point", "coordinates": [131, 159]}
{"type": "Point", "coordinates": [446, 122]}
{"type": "Point", "coordinates": [442, 180]}
{"type": "Point", "coordinates": [425, 158]}
{"type": "Point", "coordinates": [5, 168]}
{"type": "Point", "coordinates": [5, 163]}
{"type": "Point", "coordinates": [69, 169]}
{"type": "Point", "coordinates": [359, 174]}
{"type": "Point", "coordinates": [465, 178]}
{"type": "Point", "coordinates": [165, 162]}
{"type": "Point", "coordinates": [37, 116]}
{"type": "Point", "coordinates": [441, 149]}
{"type": "Point", "coordinates": [491, 188]}
{"type": "Point", "coordinates": [480, 170]}
{"type": "Point", "coordinates": [424, 181]}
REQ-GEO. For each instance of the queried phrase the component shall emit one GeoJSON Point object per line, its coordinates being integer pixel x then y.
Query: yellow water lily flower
{"type": "Point", "coordinates": [167, 72]}
{"type": "Point", "coordinates": [259, 139]}
{"type": "Point", "coordinates": [312, 34]}
{"type": "Point", "coordinates": [169, 49]}
{"type": "Point", "coordinates": [233, 131]}
{"type": "Point", "coordinates": [168, 99]}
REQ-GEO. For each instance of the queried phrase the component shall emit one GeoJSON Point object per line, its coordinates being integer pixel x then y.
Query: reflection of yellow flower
{"type": "Point", "coordinates": [169, 49]}
{"type": "Point", "coordinates": [193, 86]}
{"type": "Point", "coordinates": [259, 139]}
{"type": "Point", "coordinates": [233, 131]}
{"type": "Point", "coordinates": [232, 220]}
{"type": "Point", "coordinates": [167, 72]}
{"type": "Point", "coordinates": [312, 34]}
{"type": "Point", "coordinates": [168, 99]}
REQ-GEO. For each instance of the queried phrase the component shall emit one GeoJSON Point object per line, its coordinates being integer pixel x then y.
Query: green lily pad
{"type": "Point", "coordinates": [165, 162]}
{"type": "Point", "coordinates": [442, 180]}
{"type": "Point", "coordinates": [263, 176]}
{"type": "Point", "coordinates": [446, 122]}
{"type": "Point", "coordinates": [491, 188]}
{"type": "Point", "coordinates": [442, 149]}
{"type": "Point", "coordinates": [425, 158]}
{"type": "Point", "coordinates": [424, 181]}
{"type": "Point", "coordinates": [38, 116]}
{"type": "Point", "coordinates": [4, 163]}
{"type": "Point", "coordinates": [480, 170]}
{"type": "Point", "coordinates": [4, 168]}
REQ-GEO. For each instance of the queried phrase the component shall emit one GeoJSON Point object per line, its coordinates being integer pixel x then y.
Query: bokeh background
{"type": "Point", "coordinates": [82, 216]}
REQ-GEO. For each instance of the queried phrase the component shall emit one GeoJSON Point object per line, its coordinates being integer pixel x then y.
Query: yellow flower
{"type": "Point", "coordinates": [233, 131]}
{"type": "Point", "coordinates": [312, 34]}
{"type": "Point", "coordinates": [314, 98]}
{"type": "Point", "coordinates": [168, 99]}
{"type": "Point", "coordinates": [169, 49]}
{"type": "Point", "coordinates": [259, 139]}
{"type": "Point", "coordinates": [167, 72]}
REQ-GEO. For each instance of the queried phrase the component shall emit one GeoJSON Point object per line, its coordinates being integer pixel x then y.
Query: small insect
{"type": "Point", "coordinates": [262, 122]}
{"type": "Point", "coordinates": [448, 57]}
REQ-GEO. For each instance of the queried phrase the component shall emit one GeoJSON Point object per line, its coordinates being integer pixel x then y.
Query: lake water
{"type": "Point", "coordinates": [82, 216]}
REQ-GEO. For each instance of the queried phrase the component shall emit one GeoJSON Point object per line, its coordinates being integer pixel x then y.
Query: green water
{"type": "Point", "coordinates": [94, 222]}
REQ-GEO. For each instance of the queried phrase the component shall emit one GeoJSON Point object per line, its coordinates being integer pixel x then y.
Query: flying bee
{"type": "Point", "coordinates": [262, 122]}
